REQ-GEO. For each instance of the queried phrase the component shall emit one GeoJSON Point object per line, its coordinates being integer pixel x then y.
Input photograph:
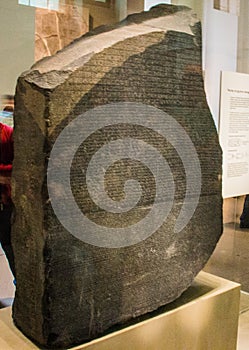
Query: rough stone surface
{"type": "Point", "coordinates": [69, 291]}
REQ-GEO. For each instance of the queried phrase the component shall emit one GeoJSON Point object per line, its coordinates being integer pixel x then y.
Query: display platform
{"type": "Point", "coordinates": [205, 317]}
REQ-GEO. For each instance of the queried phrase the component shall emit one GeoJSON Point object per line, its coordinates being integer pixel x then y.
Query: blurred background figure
{"type": "Point", "coordinates": [6, 158]}
{"type": "Point", "coordinates": [8, 108]}
{"type": "Point", "coordinates": [7, 101]}
{"type": "Point", "coordinates": [6, 114]}
{"type": "Point", "coordinates": [244, 219]}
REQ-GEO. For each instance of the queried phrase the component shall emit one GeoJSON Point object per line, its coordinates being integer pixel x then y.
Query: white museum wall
{"type": "Point", "coordinates": [17, 37]}
{"type": "Point", "coordinates": [149, 3]}
{"type": "Point", "coordinates": [220, 38]}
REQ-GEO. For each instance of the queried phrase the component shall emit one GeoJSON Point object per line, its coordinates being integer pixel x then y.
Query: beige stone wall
{"type": "Point", "coordinates": [56, 29]}
{"type": "Point", "coordinates": [101, 15]}
{"type": "Point", "coordinates": [135, 6]}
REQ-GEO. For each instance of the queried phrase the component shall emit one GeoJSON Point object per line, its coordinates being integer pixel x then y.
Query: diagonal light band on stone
{"type": "Point", "coordinates": [67, 144]}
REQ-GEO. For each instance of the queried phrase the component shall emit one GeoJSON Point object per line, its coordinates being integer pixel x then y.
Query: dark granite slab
{"type": "Point", "coordinates": [140, 81]}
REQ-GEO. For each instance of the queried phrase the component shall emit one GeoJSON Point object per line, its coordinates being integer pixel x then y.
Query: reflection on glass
{"type": "Point", "coordinates": [24, 2]}
{"type": "Point", "coordinates": [46, 4]}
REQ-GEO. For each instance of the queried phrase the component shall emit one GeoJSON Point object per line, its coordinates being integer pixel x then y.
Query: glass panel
{"type": "Point", "coordinates": [43, 27]}
{"type": "Point", "coordinates": [39, 3]}
{"type": "Point", "coordinates": [49, 4]}
{"type": "Point", "coordinates": [53, 5]}
{"type": "Point", "coordinates": [23, 2]}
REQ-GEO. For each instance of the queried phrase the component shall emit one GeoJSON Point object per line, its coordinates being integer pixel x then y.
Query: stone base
{"type": "Point", "coordinates": [204, 317]}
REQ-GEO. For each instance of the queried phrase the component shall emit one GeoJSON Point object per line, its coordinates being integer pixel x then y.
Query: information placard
{"type": "Point", "coordinates": [234, 133]}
